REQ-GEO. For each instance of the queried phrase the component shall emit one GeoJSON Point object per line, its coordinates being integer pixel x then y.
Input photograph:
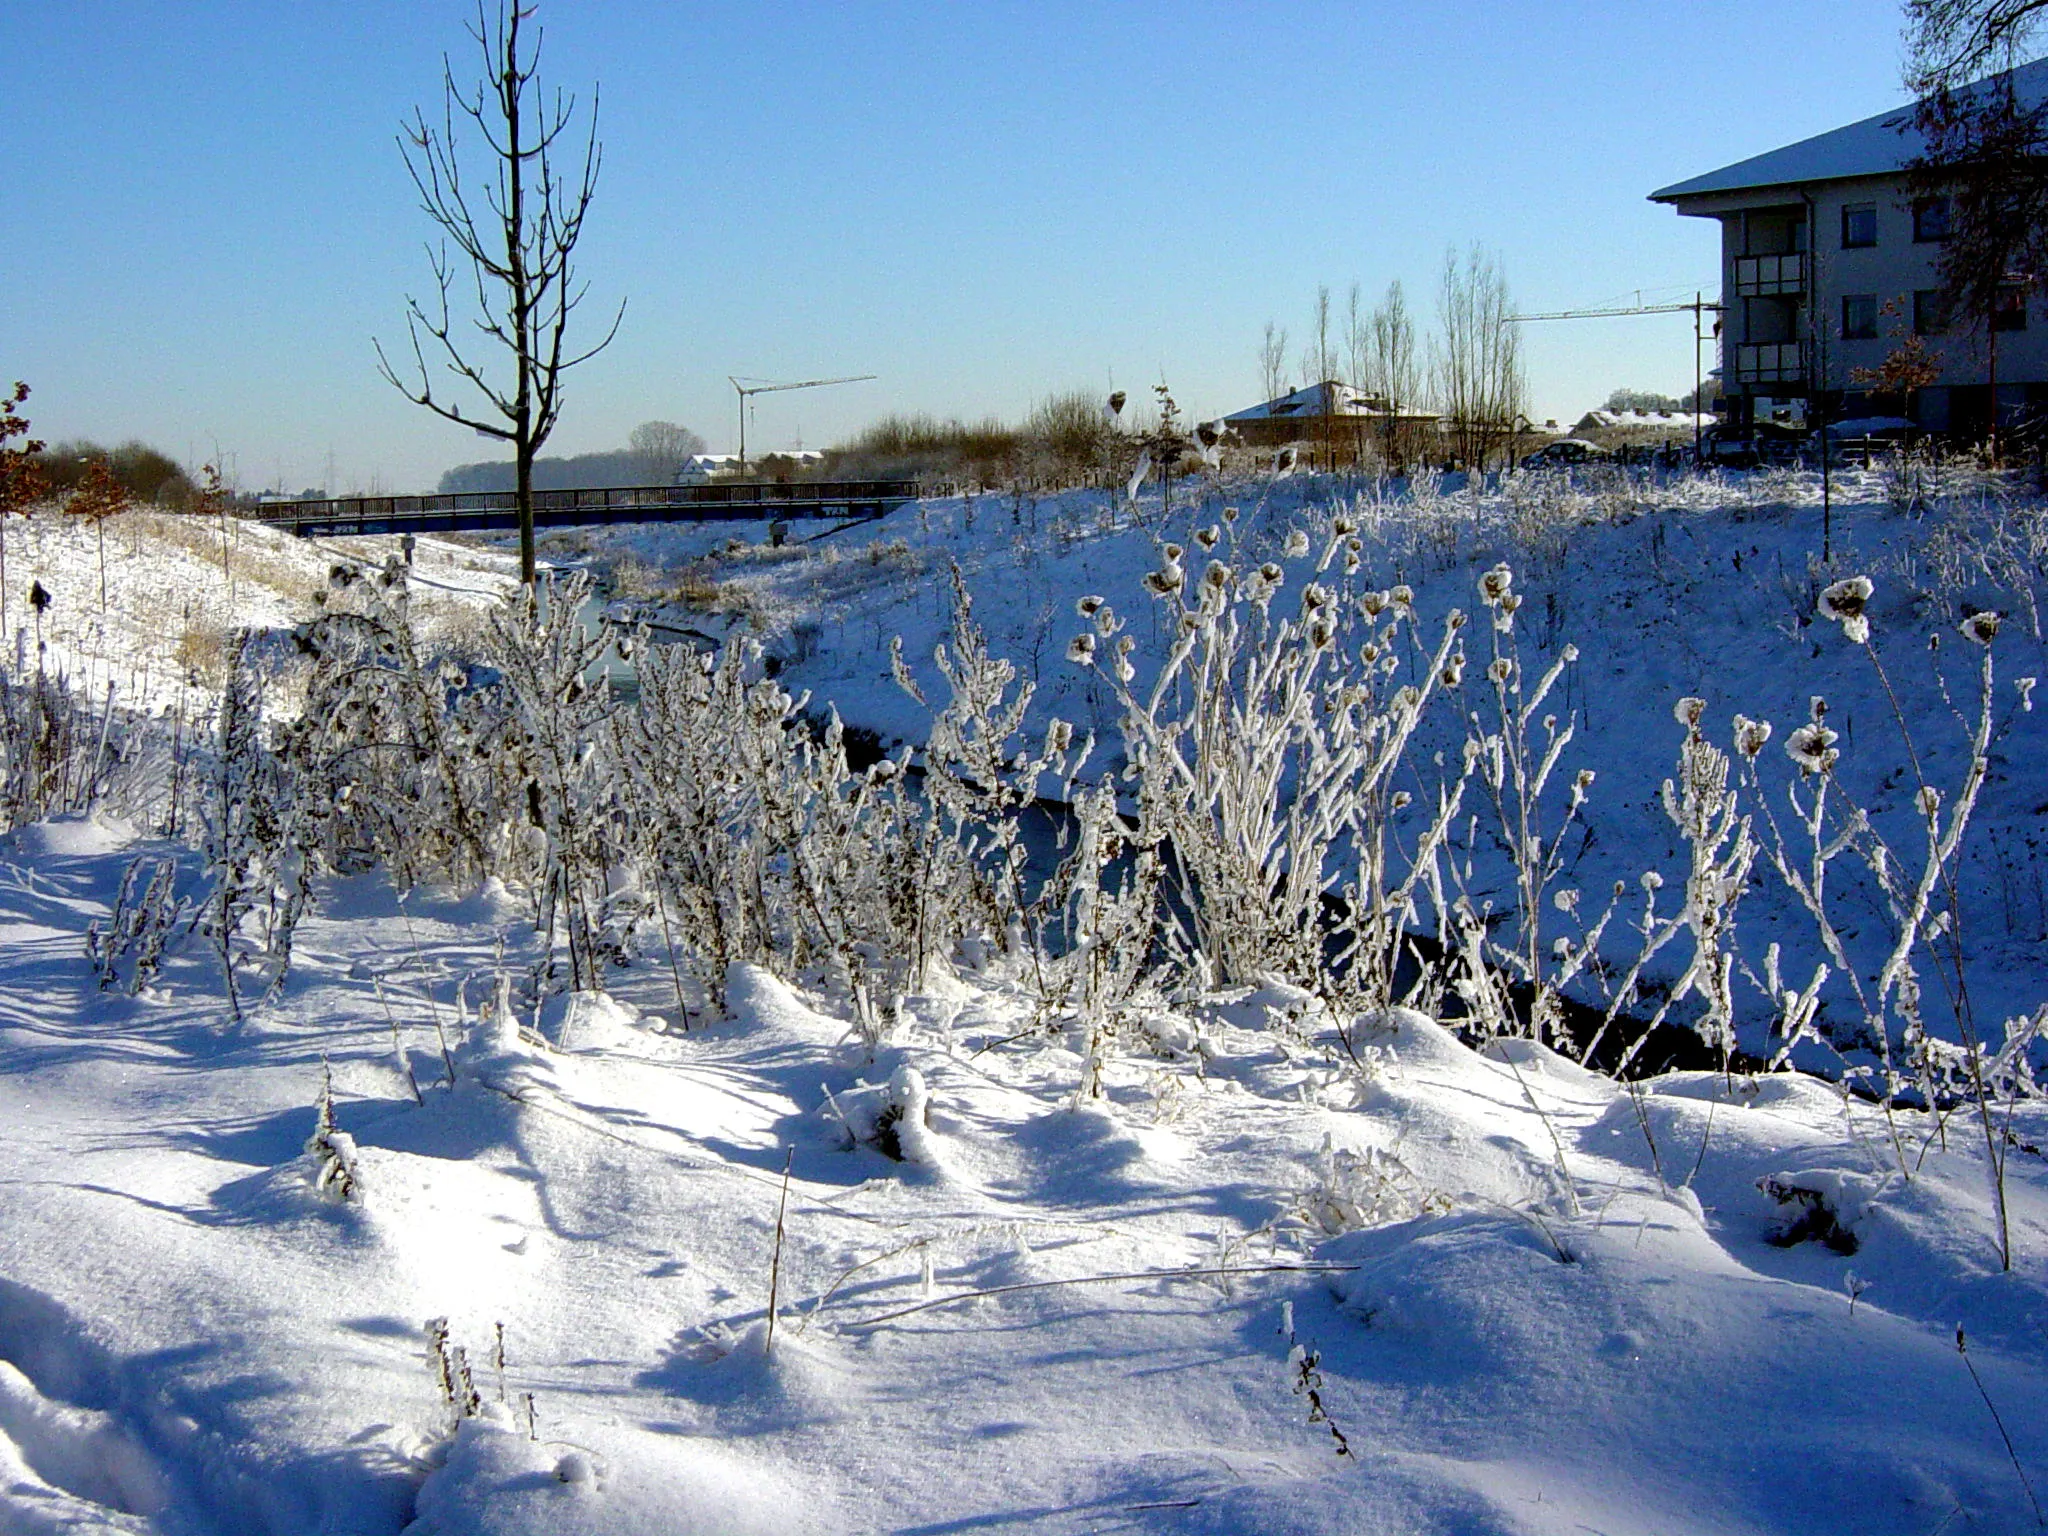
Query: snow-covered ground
{"type": "Point", "coordinates": [1525, 1298]}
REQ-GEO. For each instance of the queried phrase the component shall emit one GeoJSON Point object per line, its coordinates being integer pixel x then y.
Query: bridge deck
{"type": "Point", "coordinates": [465, 511]}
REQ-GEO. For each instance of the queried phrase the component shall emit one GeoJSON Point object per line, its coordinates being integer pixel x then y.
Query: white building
{"type": "Point", "coordinates": [1828, 262]}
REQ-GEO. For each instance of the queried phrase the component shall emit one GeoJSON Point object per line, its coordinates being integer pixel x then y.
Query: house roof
{"type": "Point", "coordinates": [1331, 398]}
{"type": "Point", "coordinates": [1876, 146]}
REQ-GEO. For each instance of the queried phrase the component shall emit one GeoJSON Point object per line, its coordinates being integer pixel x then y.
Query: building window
{"type": "Point", "coordinates": [1930, 219]}
{"type": "Point", "coordinates": [1859, 317]}
{"type": "Point", "coordinates": [1930, 311]}
{"type": "Point", "coordinates": [1859, 225]}
{"type": "Point", "coordinates": [2009, 309]}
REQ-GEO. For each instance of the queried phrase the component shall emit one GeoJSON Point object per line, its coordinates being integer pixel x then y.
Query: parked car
{"type": "Point", "coordinates": [1564, 452]}
{"type": "Point", "coordinates": [1723, 447]}
{"type": "Point", "coordinates": [1866, 437]}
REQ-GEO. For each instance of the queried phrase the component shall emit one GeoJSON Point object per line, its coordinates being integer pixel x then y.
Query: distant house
{"type": "Point", "coordinates": [702, 467]}
{"type": "Point", "coordinates": [1332, 418]}
{"type": "Point", "coordinates": [1668, 423]}
{"type": "Point", "coordinates": [1828, 261]}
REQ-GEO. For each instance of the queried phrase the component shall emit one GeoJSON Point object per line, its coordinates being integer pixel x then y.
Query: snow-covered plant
{"type": "Point", "coordinates": [56, 753]}
{"type": "Point", "coordinates": [450, 1364]}
{"type": "Point", "coordinates": [981, 777]}
{"type": "Point", "coordinates": [1265, 746]}
{"type": "Point", "coordinates": [691, 805]}
{"type": "Point", "coordinates": [1921, 895]}
{"type": "Point", "coordinates": [557, 707]}
{"type": "Point", "coordinates": [333, 1151]}
{"type": "Point", "coordinates": [981, 780]}
{"type": "Point", "coordinates": [145, 911]}
{"type": "Point", "coordinates": [1705, 812]}
{"type": "Point", "coordinates": [254, 839]}
{"type": "Point", "coordinates": [1515, 768]}
{"type": "Point", "coordinates": [388, 742]}
{"type": "Point", "coordinates": [1354, 1190]}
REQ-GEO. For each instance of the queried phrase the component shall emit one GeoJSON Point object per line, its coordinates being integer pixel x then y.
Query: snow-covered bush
{"type": "Point", "coordinates": [1265, 749]}
{"type": "Point", "coordinates": [548, 737]}
{"type": "Point", "coordinates": [389, 743]}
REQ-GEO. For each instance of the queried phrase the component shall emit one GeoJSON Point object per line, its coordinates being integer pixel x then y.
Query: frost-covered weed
{"type": "Point", "coordinates": [146, 911]}
{"type": "Point", "coordinates": [57, 754]}
{"type": "Point", "coordinates": [255, 837]}
{"type": "Point", "coordinates": [332, 1150]}
{"type": "Point", "coordinates": [1264, 751]}
{"type": "Point", "coordinates": [1515, 767]}
{"type": "Point", "coordinates": [1355, 1190]}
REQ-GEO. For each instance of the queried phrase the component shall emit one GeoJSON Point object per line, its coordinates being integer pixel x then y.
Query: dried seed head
{"type": "Point", "coordinates": [1500, 669]}
{"type": "Point", "coordinates": [1209, 536]}
{"type": "Point", "coordinates": [1689, 711]}
{"type": "Point", "coordinates": [1081, 649]}
{"type": "Point", "coordinates": [1315, 596]}
{"type": "Point", "coordinates": [1230, 514]}
{"type": "Point", "coordinates": [1173, 552]}
{"type": "Point", "coordinates": [1454, 671]}
{"type": "Point", "coordinates": [1929, 801]}
{"type": "Point", "coordinates": [2026, 688]}
{"type": "Point", "coordinates": [1088, 605]}
{"type": "Point", "coordinates": [1980, 627]}
{"type": "Point", "coordinates": [1343, 526]}
{"type": "Point", "coordinates": [1297, 544]}
{"type": "Point", "coordinates": [1495, 585]}
{"type": "Point", "coordinates": [1401, 595]}
{"type": "Point", "coordinates": [1217, 576]}
{"type": "Point", "coordinates": [1750, 735]}
{"type": "Point", "coordinates": [1845, 602]}
{"type": "Point", "coordinates": [1401, 800]}
{"type": "Point", "coordinates": [1374, 603]}
{"type": "Point", "coordinates": [1105, 621]}
{"type": "Point", "coordinates": [1812, 747]}
{"type": "Point", "coordinates": [1570, 653]}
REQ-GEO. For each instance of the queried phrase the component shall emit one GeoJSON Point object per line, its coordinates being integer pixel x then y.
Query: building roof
{"type": "Point", "coordinates": [1876, 146]}
{"type": "Point", "coordinates": [1330, 398]}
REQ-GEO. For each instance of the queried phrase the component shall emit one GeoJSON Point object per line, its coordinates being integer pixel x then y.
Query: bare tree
{"type": "Point", "coordinates": [660, 448]}
{"type": "Point", "coordinates": [1985, 149]}
{"type": "Point", "coordinates": [1319, 363]}
{"type": "Point", "coordinates": [518, 243]}
{"type": "Point", "coordinates": [1393, 372]}
{"type": "Point", "coordinates": [1479, 356]}
{"type": "Point", "coordinates": [1273, 361]}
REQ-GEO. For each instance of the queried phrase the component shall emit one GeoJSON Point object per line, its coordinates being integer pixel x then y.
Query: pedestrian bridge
{"type": "Point", "coordinates": [476, 511]}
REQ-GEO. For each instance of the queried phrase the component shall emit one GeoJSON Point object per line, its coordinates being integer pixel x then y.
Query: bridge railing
{"type": "Point", "coordinates": [800, 498]}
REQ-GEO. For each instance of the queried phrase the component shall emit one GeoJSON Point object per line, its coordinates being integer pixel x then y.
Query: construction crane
{"type": "Point", "coordinates": [1699, 306]}
{"type": "Point", "coordinates": [748, 386]}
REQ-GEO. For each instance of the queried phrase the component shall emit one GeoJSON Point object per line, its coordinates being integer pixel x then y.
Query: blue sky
{"type": "Point", "coordinates": [984, 204]}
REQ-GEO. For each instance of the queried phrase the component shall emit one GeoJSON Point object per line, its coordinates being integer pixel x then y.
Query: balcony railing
{"type": "Point", "coordinates": [1770, 362]}
{"type": "Point", "coordinates": [1758, 277]}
